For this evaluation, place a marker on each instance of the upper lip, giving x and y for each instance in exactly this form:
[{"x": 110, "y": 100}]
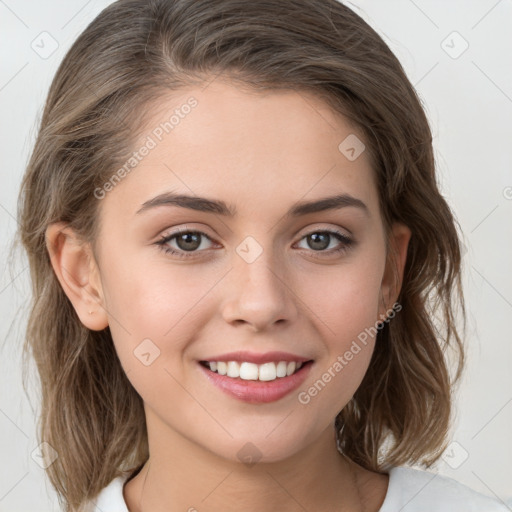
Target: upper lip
[{"x": 253, "y": 357}]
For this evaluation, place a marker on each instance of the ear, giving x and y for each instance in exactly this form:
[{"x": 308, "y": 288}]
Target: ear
[
  {"x": 395, "y": 263},
  {"x": 77, "y": 271}
]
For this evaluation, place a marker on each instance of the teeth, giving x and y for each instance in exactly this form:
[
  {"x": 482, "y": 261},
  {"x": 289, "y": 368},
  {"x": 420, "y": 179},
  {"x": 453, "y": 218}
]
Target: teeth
[
  {"x": 250, "y": 371},
  {"x": 233, "y": 369},
  {"x": 281, "y": 369},
  {"x": 268, "y": 371},
  {"x": 221, "y": 368}
]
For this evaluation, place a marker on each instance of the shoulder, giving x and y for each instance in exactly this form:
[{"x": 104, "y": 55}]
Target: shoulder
[
  {"x": 413, "y": 490},
  {"x": 111, "y": 498}
]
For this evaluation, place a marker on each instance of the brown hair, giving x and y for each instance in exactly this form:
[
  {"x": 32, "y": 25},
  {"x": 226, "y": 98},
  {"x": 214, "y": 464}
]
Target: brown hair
[{"x": 129, "y": 56}]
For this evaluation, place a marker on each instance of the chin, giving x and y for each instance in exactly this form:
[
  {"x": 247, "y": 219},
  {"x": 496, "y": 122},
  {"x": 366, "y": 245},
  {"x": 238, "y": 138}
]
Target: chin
[{"x": 258, "y": 448}]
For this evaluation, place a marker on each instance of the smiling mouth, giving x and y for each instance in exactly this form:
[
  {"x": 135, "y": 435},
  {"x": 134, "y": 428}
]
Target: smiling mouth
[{"x": 266, "y": 372}]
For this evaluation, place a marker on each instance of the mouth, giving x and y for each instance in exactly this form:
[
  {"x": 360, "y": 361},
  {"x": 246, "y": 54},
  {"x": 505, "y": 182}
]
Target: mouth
[
  {"x": 245, "y": 370},
  {"x": 261, "y": 379}
]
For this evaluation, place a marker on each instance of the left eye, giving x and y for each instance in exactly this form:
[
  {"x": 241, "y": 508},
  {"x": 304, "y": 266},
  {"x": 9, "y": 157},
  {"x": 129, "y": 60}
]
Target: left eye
[
  {"x": 190, "y": 242},
  {"x": 318, "y": 240}
]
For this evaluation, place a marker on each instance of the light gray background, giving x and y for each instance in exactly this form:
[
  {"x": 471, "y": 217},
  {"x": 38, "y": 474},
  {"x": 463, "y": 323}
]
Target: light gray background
[{"x": 468, "y": 98}]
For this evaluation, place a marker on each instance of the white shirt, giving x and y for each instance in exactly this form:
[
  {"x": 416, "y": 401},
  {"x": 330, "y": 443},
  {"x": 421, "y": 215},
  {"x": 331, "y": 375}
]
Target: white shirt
[{"x": 409, "y": 490}]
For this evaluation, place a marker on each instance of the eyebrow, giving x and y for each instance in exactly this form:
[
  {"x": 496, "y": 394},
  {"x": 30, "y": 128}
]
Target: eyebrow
[{"x": 203, "y": 204}]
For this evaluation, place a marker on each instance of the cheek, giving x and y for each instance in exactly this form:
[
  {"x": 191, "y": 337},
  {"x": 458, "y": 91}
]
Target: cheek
[
  {"x": 345, "y": 297},
  {"x": 348, "y": 328},
  {"x": 152, "y": 299},
  {"x": 345, "y": 302},
  {"x": 154, "y": 309}
]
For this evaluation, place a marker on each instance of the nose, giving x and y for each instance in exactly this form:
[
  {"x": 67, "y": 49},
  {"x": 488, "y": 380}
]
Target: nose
[{"x": 261, "y": 294}]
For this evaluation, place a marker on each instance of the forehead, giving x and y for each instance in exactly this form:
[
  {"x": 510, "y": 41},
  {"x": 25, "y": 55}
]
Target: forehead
[{"x": 247, "y": 148}]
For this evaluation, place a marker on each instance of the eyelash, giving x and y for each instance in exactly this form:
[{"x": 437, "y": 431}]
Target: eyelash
[{"x": 347, "y": 242}]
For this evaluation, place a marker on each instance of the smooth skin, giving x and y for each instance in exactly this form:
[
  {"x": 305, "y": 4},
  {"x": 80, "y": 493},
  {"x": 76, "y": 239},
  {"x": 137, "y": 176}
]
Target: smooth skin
[{"x": 261, "y": 154}]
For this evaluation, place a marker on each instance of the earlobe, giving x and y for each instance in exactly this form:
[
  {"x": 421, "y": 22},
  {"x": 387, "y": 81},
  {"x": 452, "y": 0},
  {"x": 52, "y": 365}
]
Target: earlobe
[
  {"x": 78, "y": 274},
  {"x": 393, "y": 275}
]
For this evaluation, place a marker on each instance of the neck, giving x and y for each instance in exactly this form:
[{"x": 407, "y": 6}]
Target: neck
[{"x": 182, "y": 476}]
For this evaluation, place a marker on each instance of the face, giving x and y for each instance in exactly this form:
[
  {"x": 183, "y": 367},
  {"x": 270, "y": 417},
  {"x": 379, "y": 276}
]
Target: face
[{"x": 267, "y": 286}]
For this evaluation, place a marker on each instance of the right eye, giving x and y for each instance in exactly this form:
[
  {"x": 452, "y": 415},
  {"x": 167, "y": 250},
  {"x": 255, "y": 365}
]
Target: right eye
[{"x": 187, "y": 241}]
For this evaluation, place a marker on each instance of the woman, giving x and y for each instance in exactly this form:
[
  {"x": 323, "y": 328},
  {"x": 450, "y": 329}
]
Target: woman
[{"x": 238, "y": 249}]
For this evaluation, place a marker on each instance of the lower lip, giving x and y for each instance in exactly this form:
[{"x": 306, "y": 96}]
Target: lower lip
[{"x": 255, "y": 391}]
